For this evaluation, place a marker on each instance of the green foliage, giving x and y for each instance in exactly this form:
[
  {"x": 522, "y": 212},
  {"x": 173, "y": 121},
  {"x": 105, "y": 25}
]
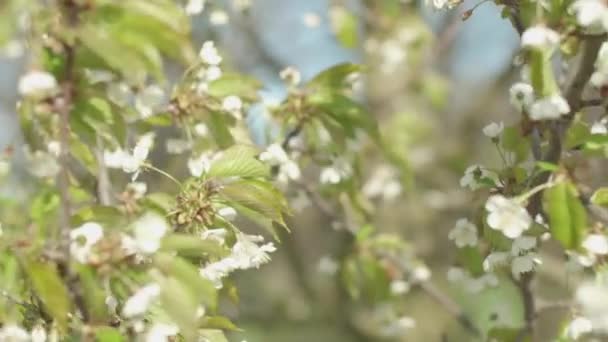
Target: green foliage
[{"x": 567, "y": 215}]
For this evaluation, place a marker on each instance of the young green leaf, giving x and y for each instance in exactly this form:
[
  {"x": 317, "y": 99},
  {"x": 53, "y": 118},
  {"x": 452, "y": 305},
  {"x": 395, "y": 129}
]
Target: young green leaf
[
  {"x": 50, "y": 288},
  {"x": 239, "y": 161},
  {"x": 567, "y": 215}
]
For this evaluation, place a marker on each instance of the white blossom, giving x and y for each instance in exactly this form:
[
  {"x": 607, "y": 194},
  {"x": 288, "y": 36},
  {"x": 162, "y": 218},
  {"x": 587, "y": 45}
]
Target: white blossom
[
  {"x": 148, "y": 231},
  {"x": 398, "y": 327},
  {"x": 38, "y": 334},
  {"x": 464, "y": 233},
  {"x": 114, "y": 159},
  {"x": 291, "y": 75},
  {"x": 421, "y": 273},
  {"x": 328, "y": 265},
  {"x": 507, "y": 216},
  {"x": 311, "y": 19},
  {"x": 140, "y": 301},
  {"x": 399, "y": 287},
  {"x": 456, "y": 274},
  {"x": 599, "y": 78},
  {"x": 494, "y": 260},
  {"x": 592, "y": 299},
  {"x": 131, "y": 163},
  {"x": 590, "y": 14},
  {"x": 232, "y": 104},
  {"x": 599, "y": 127},
  {"x": 37, "y": 84},
  {"x": 82, "y": 240},
  {"x": 539, "y": 37},
  {"x": 392, "y": 54},
  {"x": 200, "y": 165},
  {"x": 247, "y": 253},
  {"x": 523, "y": 244},
  {"x": 336, "y": 173},
  {"x": 476, "y": 285},
  {"x": 111, "y": 303},
  {"x": 596, "y": 244},
  {"x": 120, "y": 93},
  {"x": 493, "y": 130},
  {"x": 241, "y": 5},
  {"x": 473, "y": 175},
  {"x": 549, "y": 107},
  {"x": 161, "y": 332},
  {"x": 178, "y": 146},
  {"x": 578, "y": 327},
  {"x": 149, "y": 101},
  {"x": 442, "y": 4},
  {"x": 13, "y": 333},
  {"x": 218, "y": 17},
  {"x": 227, "y": 213},
  {"x": 217, "y": 234},
  {"x": 201, "y": 130},
  {"x": 194, "y": 7},
  {"x": 209, "y": 53},
  {"x": 54, "y": 148},
  {"x": 524, "y": 264},
  {"x": 41, "y": 164},
  {"x": 383, "y": 183},
  {"x": 13, "y": 49},
  {"x": 521, "y": 96},
  {"x": 275, "y": 155},
  {"x": 300, "y": 202}
]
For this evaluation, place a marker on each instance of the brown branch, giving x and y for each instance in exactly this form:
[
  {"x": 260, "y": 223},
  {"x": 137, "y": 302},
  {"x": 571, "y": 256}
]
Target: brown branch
[
  {"x": 557, "y": 130},
  {"x": 64, "y": 105}
]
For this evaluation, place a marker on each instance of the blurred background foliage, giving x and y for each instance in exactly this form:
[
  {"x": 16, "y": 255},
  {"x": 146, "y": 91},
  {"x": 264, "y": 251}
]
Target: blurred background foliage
[{"x": 432, "y": 81}]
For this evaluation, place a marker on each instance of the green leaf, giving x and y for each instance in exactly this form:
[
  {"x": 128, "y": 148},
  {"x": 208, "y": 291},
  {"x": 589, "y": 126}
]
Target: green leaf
[
  {"x": 256, "y": 217},
  {"x": 567, "y": 215},
  {"x": 106, "y": 215},
  {"x": 213, "y": 335},
  {"x": 188, "y": 245},
  {"x": 235, "y": 84},
  {"x": 239, "y": 161},
  {"x": 218, "y": 125},
  {"x": 108, "y": 334},
  {"x": 344, "y": 24},
  {"x": 578, "y": 133},
  {"x": 541, "y": 73},
  {"x": 346, "y": 112},
  {"x": 259, "y": 196},
  {"x": 112, "y": 53},
  {"x": 49, "y": 287},
  {"x": 202, "y": 289},
  {"x": 546, "y": 166},
  {"x": 94, "y": 295},
  {"x": 512, "y": 140},
  {"x": 218, "y": 322},
  {"x": 600, "y": 197},
  {"x": 180, "y": 304},
  {"x": 471, "y": 259},
  {"x": 335, "y": 76},
  {"x": 159, "y": 201}
]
